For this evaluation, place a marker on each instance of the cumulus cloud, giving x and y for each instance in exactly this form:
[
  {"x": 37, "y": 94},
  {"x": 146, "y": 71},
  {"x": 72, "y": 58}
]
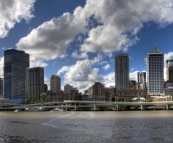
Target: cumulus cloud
[
  {"x": 106, "y": 67},
  {"x": 118, "y": 23},
  {"x": 122, "y": 17},
  {"x": 50, "y": 39},
  {"x": 109, "y": 79},
  {"x": 168, "y": 56},
  {"x": 76, "y": 55},
  {"x": 133, "y": 75},
  {"x": 82, "y": 74},
  {"x": 12, "y": 12},
  {"x": 46, "y": 80},
  {"x": 63, "y": 69},
  {"x": 2, "y": 65},
  {"x": 38, "y": 63}
]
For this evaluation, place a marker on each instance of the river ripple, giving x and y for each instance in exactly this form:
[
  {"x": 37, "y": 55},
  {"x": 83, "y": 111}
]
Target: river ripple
[{"x": 84, "y": 127}]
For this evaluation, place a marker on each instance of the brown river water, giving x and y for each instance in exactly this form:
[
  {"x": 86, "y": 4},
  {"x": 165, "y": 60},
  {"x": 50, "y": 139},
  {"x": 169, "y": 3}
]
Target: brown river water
[{"x": 87, "y": 127}]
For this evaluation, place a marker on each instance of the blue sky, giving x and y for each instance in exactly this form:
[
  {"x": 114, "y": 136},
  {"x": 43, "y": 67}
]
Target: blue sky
[{"x": 78, "y": 39}]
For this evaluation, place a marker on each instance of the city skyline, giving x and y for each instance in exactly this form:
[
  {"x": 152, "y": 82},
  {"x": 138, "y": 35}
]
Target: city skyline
[{"x": 58, "y": 37}]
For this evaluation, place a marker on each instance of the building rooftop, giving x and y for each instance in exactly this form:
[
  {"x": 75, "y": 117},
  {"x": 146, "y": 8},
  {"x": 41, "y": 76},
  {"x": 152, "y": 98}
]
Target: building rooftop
[
  {"x": 155, "y": 51},
  {"x": 122, "y": 54}
]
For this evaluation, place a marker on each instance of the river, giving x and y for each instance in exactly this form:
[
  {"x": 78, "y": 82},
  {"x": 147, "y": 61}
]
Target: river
[{"x": 87, "y": 127}]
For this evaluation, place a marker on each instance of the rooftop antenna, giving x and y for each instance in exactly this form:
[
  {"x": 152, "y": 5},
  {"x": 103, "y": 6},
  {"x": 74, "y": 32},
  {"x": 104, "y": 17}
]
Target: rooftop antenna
[{"x": 155, "y": 47}]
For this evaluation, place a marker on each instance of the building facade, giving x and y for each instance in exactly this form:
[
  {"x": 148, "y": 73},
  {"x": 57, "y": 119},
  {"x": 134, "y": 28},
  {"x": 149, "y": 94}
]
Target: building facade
[
  {"x": 73, "y": 91},
  {"x": 169, "y": 71},
  {"x": 45, "y": 88},
  {"x": 155, "y": 64},
  {"x": 121, "y": 72},
  {"x": 16, "y": 65},
  {"x": 141, "y": 77},
  {"x": 67, "y": 88},
  {"x": 1, "y": 86},
  {"x": 55, "y": 83},
  {"x": 35, "y": 82},
  {"x": 129, "y": 94},
  {"x": 132, "y": 84}
]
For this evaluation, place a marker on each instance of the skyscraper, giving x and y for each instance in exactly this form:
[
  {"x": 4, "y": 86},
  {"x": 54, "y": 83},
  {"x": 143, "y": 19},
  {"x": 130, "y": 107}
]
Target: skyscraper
[
  {"x": 1, "y": 86},
  {"x": 35, "y": 82},
  {"x": 16, "y": 65},
  {"x": 155, "y": 63},
  {"x": 55, "y": 83},
  {"x": 169, "y": 71},
  {"x": 141, "y": 77},
  {"x": 121, "y": 72}
]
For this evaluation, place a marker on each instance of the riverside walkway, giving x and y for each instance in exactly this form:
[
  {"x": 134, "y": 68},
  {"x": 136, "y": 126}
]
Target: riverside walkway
[{"x": 94, "y": 105}]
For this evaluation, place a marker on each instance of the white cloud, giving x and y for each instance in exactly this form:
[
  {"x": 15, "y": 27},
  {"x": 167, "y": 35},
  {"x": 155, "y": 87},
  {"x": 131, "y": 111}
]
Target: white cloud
[
  {"x": 133, "y": 75},
  {"x": 76, "y": 55},
  {"x": 122, "y": 17},
  {"x": 106, "y": 67},
  {"x": 2, "y": 67},
  {"x": 38, "y": 63},
  {"x": 168, "y": 56},
  {"x": 46, "y": 80},
  {"x": 63, "y": 69},
  {"x": 132, "y": 69},
  {"x": 52, "y": 37},
  {"x": 109, "y": 79},
  {"x": 12, "y": 12},
  {"x": 63, "y": 56},
  {"x": 120, "y": 21},
  {"x": 81, "y": 74}
]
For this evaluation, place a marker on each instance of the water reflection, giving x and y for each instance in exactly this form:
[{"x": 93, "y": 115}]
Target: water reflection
[{"x": 78, "y": 127}]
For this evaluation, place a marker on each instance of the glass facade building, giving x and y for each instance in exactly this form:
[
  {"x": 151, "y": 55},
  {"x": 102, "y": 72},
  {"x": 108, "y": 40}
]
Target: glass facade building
[
  {"x": 155, "y": 64},
  {"x": 1, "y": 86},
  {"x": 16, "y": 65},
  {"x": 121, "y": 72}
]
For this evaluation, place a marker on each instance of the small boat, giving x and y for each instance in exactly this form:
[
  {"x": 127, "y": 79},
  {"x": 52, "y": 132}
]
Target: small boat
[
  {"x": 17, "y": 110},
  {"x": 56, "y": 110}
]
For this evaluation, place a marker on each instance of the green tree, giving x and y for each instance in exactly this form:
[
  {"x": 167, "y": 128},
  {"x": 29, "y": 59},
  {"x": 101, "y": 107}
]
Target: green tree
[
  {"x": 107, "y": 95},
  {"x": 43, "y": 97}
]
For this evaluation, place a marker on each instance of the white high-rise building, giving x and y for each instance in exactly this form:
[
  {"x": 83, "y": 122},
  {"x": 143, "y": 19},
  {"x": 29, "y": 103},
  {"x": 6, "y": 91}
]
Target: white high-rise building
[
  {"x": 155, "y": 68},
  {"x": 121, "y": 72}
]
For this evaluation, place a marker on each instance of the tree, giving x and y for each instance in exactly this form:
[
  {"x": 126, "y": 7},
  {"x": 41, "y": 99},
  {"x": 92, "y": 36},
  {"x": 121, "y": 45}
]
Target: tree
[
  {"x": 43, "y": 97},
  {"x": 107, "y": 94}
]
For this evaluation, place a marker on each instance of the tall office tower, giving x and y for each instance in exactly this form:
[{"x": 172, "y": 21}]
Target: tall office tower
[
  {"x": 35, "y": 82},
  {"x": 55, "y": 83},
  {"x": 67, "y": 88},
  {"x": 155, "y": 72},
  {"x": 16, "y": 65},
  {"x": 141, "y": 77},
  {"x": 121, "y": 72},
  {"x": 1, "y": 86},
  {"x": 169, "y": 71}
]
